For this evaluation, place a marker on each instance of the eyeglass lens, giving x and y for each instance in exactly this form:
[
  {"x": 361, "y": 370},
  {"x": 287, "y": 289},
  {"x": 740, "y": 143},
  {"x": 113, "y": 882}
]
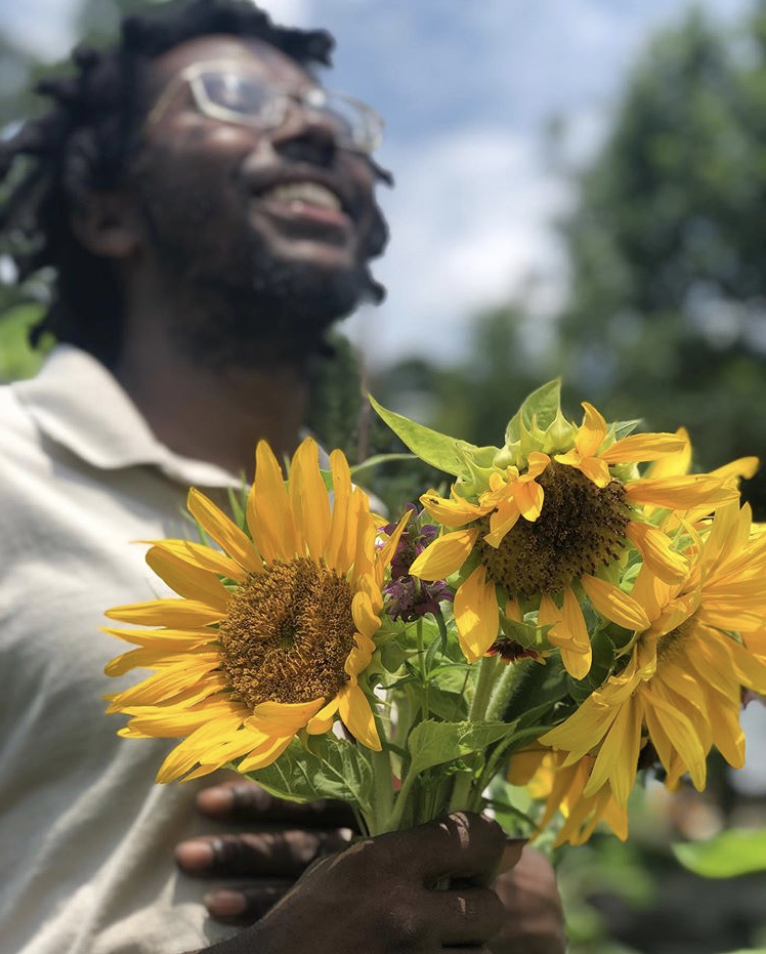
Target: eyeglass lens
[{"x": 249, "y": 97}]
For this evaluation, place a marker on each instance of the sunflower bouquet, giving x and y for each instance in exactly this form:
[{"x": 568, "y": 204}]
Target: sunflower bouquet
[{"x": 576, "y": 607}]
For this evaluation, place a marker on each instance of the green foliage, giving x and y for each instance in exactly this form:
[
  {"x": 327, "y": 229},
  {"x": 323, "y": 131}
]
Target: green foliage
[
  {"x": 434, "y": 743},
  {"x": 325, "y": 767},
  {"x": 666, "y": 316},
  {"x": 17, "y": 358},
  {"x": 434, "y": 448},
  {"x": 734, "y": 852}
]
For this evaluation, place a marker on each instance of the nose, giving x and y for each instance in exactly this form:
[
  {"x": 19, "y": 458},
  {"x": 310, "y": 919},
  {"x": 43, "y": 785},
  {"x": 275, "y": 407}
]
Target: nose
[{"x": 307, "y": 135}]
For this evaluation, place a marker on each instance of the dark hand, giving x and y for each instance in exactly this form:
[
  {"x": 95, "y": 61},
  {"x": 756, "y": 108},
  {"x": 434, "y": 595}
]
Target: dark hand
[
  {"x": 534, "y": 922},
  {"x": 265, "y": 862},
  {"x": 384, "y": 896}
]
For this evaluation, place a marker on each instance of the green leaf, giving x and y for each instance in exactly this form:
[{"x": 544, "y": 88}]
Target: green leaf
[
  {"x": 537, "y": 691},
  {"x": 326, "y": 767},
  {"x": 372, "y": 462},
  {"x": 445, "y": 704},
  {"x": 623, "y": 428},
  {"x": 434, "y": 448},
  {"x": 433, "y": 743},
  {"x": 540, "y": 408},
  {"x": 735, "y": 852}
]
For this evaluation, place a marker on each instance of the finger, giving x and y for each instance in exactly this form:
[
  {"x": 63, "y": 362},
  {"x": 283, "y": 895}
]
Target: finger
[
  {"x": 460, "y": 845},
  {"x": 512, "y": 853},
  {"x": 466, "y": 950},
  {"x": 256, "y": 855},
  {"x": 241, "y": 801},
  {"x": 243, "y": 906},
  {"x": 466, "y": 916}
]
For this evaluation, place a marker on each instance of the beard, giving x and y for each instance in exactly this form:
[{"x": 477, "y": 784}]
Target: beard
[{"x": 244, "y": 306}]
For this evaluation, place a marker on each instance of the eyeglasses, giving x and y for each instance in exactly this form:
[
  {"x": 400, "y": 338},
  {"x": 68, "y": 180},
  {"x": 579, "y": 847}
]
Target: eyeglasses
[{"x": 224, "y": 91}]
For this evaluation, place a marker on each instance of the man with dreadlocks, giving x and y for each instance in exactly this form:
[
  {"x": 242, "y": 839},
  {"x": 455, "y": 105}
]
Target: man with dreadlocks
[{"x": 207, "y": 210}]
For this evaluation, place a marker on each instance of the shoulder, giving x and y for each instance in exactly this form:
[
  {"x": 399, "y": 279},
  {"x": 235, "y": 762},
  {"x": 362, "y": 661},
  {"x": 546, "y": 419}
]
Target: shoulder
[{"x": 16, "y": 423}]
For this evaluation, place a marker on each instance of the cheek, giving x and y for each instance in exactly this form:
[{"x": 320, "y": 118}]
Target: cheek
[{"x": 203, "y": 159}]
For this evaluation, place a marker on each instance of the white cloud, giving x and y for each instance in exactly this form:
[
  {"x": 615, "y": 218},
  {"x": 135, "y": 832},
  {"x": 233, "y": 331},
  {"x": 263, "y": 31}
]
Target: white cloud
[
  {"x": 469, "y": 222},
  {"x": 43, "y": 27},
  {"x": 47, "y": 27}
]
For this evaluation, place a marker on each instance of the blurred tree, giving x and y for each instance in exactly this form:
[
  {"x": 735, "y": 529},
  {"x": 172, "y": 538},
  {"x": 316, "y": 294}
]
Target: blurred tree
[
  {"x": 20, "y": 69},
  {"x": 667, "y": 314},
  {"x": 472, "y": 400}
]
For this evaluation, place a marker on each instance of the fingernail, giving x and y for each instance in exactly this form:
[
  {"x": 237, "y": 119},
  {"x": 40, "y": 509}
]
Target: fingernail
[
  {"x": 225, "y": 904},
  {"x": 216, "y": 800},
  {"x": 512, "y": 852},
  {"x": 195, "y": 855}
]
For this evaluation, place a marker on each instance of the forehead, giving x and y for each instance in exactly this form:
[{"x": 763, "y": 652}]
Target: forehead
[{"x": 253, "y": 54}]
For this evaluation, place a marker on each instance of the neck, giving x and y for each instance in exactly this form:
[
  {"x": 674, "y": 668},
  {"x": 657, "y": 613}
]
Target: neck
[{"x": 212, "y": 414}]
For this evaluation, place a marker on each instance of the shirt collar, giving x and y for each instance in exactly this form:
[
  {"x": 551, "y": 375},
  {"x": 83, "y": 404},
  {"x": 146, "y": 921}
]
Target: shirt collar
[{"x": 76, "y": 402}]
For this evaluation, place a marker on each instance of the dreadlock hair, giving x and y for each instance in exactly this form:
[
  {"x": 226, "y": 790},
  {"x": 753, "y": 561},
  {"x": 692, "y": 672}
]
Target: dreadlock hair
[{"x": 86, "y": 142}]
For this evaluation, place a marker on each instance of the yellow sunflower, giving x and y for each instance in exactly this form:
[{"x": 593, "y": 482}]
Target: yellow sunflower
[
  {"x": 271, "y": 634},
  {"x": 543, "y": 773},
  {"x": 568, "y": 515},
  {"x": 681, "y": 689},
  {"x": 680, "y": 463}
]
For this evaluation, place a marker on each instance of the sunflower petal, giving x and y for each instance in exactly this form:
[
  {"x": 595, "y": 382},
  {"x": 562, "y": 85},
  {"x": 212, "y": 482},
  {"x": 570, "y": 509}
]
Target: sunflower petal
[
  {"x": 680, "y": 493},
  {"x": 477, "y": 614},
  {"x": 365, "y": 618},
  {"x": 445, "y": 555},
  {"x": 265, "y": 754},
  {"x": 355, "y": 711},
  {"x": 323, "y": 720},
  {"x": 269, "y": 517},
  {"x": 223, "y": 530},
  {"x": 592, "y": 432},
  {"x": 283, "y": 718},
  {"x": 615, "y": 605},
  {"x": 309, "y": 500},
  {"x": 656, "y": 548},
  {"x": 570, "y": 634},
  {"x": 341, "y": 484},
  {"x": 389, "y": 547},
  {"x": 453, "y": 512},
  {"x": 642, "y": 447},
  {"x": 186, "y": 579},
  {"x": 188, "y": 753},
  {"x": 617, "y": 760},
  {"x": 175, "y": 614},
  {"x": 504, "y": 518},
  {"x": 204, "y": 557},
  {"x": 529, "y": 497}
]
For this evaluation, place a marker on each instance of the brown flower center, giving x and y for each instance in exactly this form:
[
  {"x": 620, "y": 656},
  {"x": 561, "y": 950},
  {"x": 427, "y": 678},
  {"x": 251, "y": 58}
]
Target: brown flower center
[
  {"x": 581, "y": 528},
  {"x": 288, "y": 633}
]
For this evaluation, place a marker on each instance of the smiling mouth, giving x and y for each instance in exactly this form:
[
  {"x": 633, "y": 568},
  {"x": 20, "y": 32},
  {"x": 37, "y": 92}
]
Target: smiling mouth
[{"x": 298, "y": 195}]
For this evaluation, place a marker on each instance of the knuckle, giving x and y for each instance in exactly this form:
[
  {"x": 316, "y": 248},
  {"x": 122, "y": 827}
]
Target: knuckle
[
  {"x": 400, "y": 921},
  {"x": 249, "y": 799},
  {"x": 232, "y": 852}
]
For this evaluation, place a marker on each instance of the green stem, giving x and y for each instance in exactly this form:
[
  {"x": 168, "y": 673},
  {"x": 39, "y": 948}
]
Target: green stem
[
  {"x": 382, "y": 788},
  {"x": 423, "y": 674},
  {"x": 395, "y": 818},
  {"x": 484, "y": 683},
  {"x": 503, "y": 690},
  {"x": 439, "y": 617},
  {"x": 462, "y": 793}
]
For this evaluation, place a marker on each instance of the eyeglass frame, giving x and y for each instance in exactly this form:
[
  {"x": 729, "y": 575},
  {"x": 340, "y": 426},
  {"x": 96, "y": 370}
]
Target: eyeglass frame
[{"x": 191, "y": 74}]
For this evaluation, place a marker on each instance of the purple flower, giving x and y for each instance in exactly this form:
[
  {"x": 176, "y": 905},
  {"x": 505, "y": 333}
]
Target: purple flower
[{"x": 408, "y": 598}]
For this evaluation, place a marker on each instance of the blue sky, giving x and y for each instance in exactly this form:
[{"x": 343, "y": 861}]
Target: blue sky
[{"x": 466, "y": 89}]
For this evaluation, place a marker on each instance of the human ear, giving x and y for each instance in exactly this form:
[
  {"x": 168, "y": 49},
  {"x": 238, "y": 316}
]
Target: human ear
[{"x": 106, "y": 223}]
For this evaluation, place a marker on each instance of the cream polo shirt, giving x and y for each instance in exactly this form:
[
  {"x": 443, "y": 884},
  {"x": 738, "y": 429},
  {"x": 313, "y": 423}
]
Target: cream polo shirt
[{"x": 86, "y": 837}]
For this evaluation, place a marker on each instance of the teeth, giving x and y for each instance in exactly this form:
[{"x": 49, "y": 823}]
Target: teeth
[{"x": 308, "y": 193}]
